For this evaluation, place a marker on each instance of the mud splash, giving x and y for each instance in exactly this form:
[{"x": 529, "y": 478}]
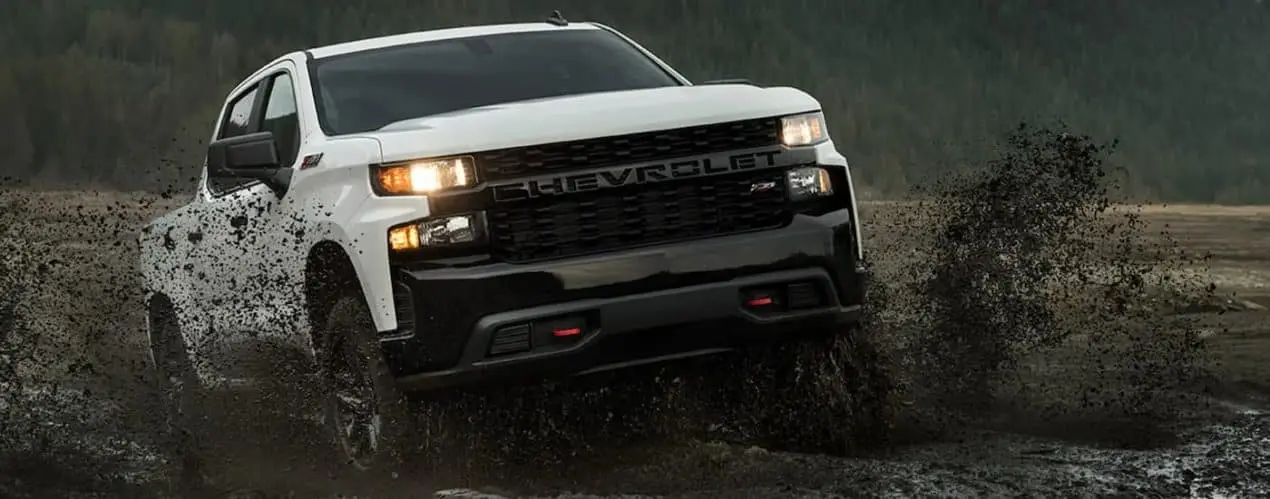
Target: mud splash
[
  {"x": 976, "y": 286},
  {"x": 57, "y": 438},
  {"x": 1029, "y": 256}
]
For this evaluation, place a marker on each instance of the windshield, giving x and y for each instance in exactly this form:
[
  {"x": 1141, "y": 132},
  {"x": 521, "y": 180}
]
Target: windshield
[{"x": 365, "y": 91}]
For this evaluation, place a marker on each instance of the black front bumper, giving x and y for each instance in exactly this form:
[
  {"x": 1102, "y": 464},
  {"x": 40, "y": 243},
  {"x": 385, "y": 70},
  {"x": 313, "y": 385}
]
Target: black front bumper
[{"x": 631, "y": 307}]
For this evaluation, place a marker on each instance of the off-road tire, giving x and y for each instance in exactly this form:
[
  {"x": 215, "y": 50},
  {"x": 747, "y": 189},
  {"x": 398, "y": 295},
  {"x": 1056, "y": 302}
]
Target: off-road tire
[
  {"x": 179, "y": 394},
  {"x": 351, "y": 365}
]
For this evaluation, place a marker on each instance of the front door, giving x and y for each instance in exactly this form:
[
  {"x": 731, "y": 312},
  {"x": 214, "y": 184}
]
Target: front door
[{"x": 247, "y": 298}]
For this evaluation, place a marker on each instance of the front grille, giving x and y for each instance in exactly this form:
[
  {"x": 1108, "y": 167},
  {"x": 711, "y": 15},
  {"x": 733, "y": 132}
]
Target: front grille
[
  {"x": 625, "y": 149},
  {"x": 636, "y": 215}
]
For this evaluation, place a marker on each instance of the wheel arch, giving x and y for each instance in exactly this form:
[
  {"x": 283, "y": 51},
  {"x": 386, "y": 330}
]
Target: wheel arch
[
  {"x": 345, "y": 229},
  {"x": 329, "y": 271}
]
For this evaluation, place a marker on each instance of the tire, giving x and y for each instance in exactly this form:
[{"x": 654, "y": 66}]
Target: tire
[
  {"x": 369, "y": 420},
  {"x": 179, "y": 392},
  {"x": 833, "y": 394}
]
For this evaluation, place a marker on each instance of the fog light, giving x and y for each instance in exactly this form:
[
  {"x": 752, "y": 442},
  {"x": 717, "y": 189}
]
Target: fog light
[
  {"x": 806, "y": 183},
  {"x": 437, "y": 232},
  {"x": 404, "y": 238},
  {"x": 449, "y": 230}
]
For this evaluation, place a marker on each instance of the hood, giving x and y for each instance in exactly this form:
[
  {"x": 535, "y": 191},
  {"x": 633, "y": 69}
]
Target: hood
[{"x": 577, "y": 117}]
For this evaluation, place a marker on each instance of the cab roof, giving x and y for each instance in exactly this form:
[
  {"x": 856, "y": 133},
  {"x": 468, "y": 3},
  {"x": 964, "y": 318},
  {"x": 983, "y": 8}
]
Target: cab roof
[{"x": 439, "y": 34}]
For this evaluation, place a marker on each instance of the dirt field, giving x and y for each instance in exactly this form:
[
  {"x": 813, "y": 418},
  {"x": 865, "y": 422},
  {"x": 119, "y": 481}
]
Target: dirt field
[{"x": 79, "y": 303}]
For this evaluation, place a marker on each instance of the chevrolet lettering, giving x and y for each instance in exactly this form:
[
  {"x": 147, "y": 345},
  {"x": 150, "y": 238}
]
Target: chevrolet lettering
[{"x": 682, "y": 168}]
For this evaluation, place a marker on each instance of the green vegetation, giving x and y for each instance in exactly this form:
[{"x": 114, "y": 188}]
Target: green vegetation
[{"x": 122, "y": 93}]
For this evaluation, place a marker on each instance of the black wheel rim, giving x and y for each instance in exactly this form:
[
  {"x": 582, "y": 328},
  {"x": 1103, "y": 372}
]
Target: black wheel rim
[{"x": 356, "y": 421}]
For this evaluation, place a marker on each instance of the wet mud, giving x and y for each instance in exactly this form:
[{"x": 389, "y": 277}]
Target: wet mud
[{"x": 1032, "y": 336}]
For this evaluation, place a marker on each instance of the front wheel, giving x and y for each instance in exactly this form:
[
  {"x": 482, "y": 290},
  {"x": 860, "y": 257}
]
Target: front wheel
[{"x": 367, "y": 417}]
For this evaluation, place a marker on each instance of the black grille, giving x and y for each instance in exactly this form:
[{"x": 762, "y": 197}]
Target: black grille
[
  {"x": 637, "y": 215},
  {"x": 511, "y": 339},
  {"x": 624, "y": 149}
]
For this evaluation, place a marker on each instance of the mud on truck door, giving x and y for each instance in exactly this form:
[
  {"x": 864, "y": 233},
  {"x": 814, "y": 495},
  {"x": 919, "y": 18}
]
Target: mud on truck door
[{"x": 245, "y": 287}]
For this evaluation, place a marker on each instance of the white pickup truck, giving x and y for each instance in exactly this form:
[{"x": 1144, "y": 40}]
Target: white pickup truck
[{"x": 496, "y": 204}]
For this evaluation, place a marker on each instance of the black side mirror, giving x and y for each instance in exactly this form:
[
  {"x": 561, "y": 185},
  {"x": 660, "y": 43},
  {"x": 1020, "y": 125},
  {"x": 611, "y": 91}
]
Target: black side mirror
[{"x": 253, "y": 156}]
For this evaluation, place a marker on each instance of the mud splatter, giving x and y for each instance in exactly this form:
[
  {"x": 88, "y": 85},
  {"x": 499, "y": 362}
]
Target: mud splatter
[
  {"x": 983, "y": 291},
  {"x": 58, "y": 437},
  {"x": 1033, "y": 255}
]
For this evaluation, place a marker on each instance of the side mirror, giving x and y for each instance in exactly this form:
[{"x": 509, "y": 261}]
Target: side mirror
[{"x": 253, "y": 156}]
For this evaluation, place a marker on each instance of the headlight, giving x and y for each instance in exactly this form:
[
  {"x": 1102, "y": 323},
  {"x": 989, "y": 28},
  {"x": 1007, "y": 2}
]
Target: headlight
[
  {"x": 803, "y": 129},
  {"x": 424, "y": 176},
  {"x": 440, "y": 232},
  {"x": 807, "y": 183}
]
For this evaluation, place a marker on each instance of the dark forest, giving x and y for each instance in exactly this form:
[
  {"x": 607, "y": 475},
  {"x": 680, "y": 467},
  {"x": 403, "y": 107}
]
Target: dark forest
[{"x": 120, "y": 94}]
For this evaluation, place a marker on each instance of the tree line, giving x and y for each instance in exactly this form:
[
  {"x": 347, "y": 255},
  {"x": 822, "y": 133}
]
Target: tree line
[{"x": 122, "y": 93}]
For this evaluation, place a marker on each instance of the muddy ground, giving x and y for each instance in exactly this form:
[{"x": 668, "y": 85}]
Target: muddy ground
[{"x": 1073, "y": 418}]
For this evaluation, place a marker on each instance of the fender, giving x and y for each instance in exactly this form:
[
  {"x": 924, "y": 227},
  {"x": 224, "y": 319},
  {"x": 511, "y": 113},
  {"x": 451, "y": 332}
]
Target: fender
[
  {"x": 829, "y": 155},
  {"x": 164, "y": 252}
]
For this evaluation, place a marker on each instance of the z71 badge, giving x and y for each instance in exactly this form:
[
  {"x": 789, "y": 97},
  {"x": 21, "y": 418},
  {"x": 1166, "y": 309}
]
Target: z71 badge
[{"x": 762, "y": 187}]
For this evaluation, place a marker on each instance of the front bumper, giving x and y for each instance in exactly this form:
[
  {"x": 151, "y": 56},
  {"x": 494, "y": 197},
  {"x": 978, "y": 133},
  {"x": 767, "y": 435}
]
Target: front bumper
[{"x": 631, "y": 307}]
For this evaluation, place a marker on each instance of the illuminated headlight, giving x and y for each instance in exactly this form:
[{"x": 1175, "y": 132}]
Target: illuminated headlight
[
  {"x": 424, "y": 176},
  {"x": 803, "y": 129},
  {"x": 808, "y": 183},
  {"x": 437, "y": 233}
]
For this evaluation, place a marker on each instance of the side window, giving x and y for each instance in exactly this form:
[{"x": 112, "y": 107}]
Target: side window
[
  {"x": 237, "y": 122},
  {"x": 282, "y": 119}
]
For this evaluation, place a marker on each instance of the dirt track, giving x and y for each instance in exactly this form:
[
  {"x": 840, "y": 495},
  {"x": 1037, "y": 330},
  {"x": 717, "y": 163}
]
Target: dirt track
[{"x": 1041, "y": 438}]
